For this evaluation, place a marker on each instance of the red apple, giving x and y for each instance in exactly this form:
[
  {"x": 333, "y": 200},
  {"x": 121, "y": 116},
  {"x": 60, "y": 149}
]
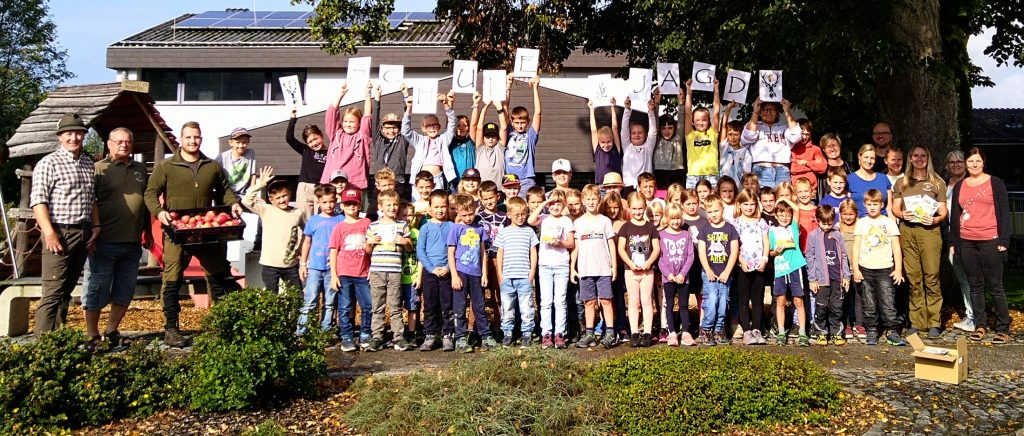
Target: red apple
[
  {"x": 174, "y": 215},
  {"x": 236, "y": 222},
  {"x": 222, "y": 218},
  {"x": 185, "y": 218},
  {"x": 211, "y": 214}
]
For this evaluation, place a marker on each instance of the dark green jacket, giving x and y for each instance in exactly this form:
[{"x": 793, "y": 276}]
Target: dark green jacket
[{"x": 186, "y": 189}]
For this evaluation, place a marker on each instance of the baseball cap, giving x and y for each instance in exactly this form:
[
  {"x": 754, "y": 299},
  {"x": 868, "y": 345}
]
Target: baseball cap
[
  {"x": 561, "y": 165},
  {"x": 70, "y": 123},
  {"x": 471, "y": 173},
  {"x": 391, "y": 117},
  {"x": 339, "y": 173},
  {"x": 351, "y": 195},
  {"x": 490, "y": 129},
  {"x": 612, "y": 179},
  {"x": 239, "y": 132},
  {"x": 510, "y": 180}
]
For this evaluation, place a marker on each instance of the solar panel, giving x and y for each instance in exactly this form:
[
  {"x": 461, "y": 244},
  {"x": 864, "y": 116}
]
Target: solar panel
[
  {"x": 259, "y": 14},
  {"x": 198, "y": 22},
  {"x": 297, "y": 24},
  {"x": 269, "y": 22},
  {"x": 421, "y": 16},
  {"x": 236, "y": 22},
  {"x": 289, "y": 15},
  {"x": 215, "y": 14}
]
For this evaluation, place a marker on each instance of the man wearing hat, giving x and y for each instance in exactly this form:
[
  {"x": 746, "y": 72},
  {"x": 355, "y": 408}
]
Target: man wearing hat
[
  {"x": 188, "y": 180},
  {"x": 389, "y": 149},
  {"x": 63, "y": 201},
  {"x": 238, "y": 161}
]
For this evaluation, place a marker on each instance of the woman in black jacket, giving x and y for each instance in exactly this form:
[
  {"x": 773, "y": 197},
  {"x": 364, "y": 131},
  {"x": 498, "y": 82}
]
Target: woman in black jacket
[
  {"x": 980, "y": 236},
  {"x": 314, "y": 155}
]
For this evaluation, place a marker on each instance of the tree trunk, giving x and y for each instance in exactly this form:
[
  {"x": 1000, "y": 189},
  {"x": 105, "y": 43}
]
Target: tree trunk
[{"x": 920, "y": 99}]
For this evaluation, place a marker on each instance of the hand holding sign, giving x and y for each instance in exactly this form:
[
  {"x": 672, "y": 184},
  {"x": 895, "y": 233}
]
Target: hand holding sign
[
  {"x": 639, "y": 84},
  {"x": 358, "y": 72},
  {"x": 668, "y": 77},
  {"x": 527, "y": 62},
  {"x": 292, "y": 90},
  {"x": 600, "y": 87},
  {"x": 703, "y": 77},
  {"x": 770, "y": 85}
]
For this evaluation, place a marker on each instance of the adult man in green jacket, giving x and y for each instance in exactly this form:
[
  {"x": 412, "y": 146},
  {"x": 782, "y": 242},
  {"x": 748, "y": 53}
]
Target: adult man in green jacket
[{"x": 189, "y": 180}]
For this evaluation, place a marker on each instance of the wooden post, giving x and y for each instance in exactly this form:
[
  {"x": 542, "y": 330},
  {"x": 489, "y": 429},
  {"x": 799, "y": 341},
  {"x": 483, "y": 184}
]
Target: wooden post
[
  {"x": 21, "y": 236},
  {"x": 156, "y": 127}
]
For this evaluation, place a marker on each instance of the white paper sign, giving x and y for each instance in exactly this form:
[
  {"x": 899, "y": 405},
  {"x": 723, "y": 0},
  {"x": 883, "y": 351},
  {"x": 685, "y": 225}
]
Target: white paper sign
[
  {"x": 527, "y": 60},
  {"x": 668, "y": 78},
  {"x": 357, "y": 74},
  {"x": 424, "y": 97},
  {"x": 292, "y": 90},
  {"x": 770, "y": 85},
  {"x": 639, "y": 85},
  {"x": 390, "y": 77},
  {"x": 494, "y": 85},
  {"x": 703, "y": 77},
  {"x": 464, "y": 77},
  {"x": 736, "y": 85},
  {"x": 600, "y": 89}
]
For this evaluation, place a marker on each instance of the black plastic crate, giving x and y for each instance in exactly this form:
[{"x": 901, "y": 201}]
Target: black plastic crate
[{"x": 207, "y": 235}]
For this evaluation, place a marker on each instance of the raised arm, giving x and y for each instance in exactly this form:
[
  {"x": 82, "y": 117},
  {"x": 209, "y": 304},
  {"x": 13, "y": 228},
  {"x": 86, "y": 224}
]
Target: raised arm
[
  {"x": 716, "y": 107},
  {"x": 688, "y": 108},
  {"x": 474, "y": 117},
  {"x": 476, "y": 129},
  {"x": 289, "y": 134},
  {"x": 376, "y": 111},
  {"x": 593, "y": 125},
  {"x": 754, "y": 116},
  {"x": 502, "y": 122},
  {"x": 368, "y": 101},
  {"x": 615, "y": 128},
  {"x": 724, "y": 119},
  {"x": 627, "y": 110},
  {"x": 535, "y": 86}
]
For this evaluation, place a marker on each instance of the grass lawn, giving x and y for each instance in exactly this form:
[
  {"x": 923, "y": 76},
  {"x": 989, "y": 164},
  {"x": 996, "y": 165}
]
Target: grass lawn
[{"x": 1014, "y": 286}]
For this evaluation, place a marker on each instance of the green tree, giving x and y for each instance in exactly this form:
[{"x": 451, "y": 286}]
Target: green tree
[{"x": 31, "y": 63}]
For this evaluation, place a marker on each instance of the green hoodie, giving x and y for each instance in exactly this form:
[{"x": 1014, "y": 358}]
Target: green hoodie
[{"x": 184, "y": 188}]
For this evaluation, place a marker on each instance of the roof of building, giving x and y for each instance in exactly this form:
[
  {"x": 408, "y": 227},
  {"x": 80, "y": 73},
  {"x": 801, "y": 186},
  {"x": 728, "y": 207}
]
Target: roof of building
[
  {"x": 999, "y": 126},
  {"x": 103, "y": 107},
  {"x": 413, "y": 29}
]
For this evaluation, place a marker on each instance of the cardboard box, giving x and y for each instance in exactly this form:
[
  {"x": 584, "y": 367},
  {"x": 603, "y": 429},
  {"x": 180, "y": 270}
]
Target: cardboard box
[{"x": 945, "y": 365}]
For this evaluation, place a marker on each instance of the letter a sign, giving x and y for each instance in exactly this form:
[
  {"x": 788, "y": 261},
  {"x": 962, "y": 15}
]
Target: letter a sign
[{"x": 668, "y": 78}]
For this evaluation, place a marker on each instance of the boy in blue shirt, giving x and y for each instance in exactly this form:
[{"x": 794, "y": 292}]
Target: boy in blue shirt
[
  {"x": 435, "y": 276},
  {"x": 522, "y": 139},
  {"x": 466, "y": 258},
  {"x": 313, "y": 266},
  {"x": 517, "y": 255}
]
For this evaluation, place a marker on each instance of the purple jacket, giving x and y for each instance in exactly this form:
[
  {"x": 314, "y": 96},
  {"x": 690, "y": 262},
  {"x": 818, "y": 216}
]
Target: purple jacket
[
  {"x": 676, "y": 254},
  {"x": 817, "y": 265}
]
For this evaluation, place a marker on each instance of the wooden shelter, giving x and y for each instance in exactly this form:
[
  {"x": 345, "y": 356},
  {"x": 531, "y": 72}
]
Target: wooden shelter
[{"x": 103, "y": 107}]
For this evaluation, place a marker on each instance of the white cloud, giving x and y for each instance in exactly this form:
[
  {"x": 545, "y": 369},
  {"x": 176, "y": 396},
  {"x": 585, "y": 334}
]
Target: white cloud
[{"x": 1009, "y": 80}]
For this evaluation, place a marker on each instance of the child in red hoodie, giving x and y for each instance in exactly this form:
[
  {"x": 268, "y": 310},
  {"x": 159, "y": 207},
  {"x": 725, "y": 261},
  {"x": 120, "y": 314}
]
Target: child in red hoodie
[{"x": 807, "y": 158}]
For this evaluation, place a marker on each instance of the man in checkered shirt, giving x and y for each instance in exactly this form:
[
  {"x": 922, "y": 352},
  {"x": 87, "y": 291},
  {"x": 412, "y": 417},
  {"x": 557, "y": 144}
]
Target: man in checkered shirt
[{"x": 63, "y": 201}]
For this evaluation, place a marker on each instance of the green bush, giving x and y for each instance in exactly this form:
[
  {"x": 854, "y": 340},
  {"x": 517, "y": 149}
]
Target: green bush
[
  {"x": 249, "y": 352},
  {"x": 505, "y": 392},
  {"x": 665, "y": 391},
  {"x": 55, "y": 384},
  {"x": 268, "y": 427}
]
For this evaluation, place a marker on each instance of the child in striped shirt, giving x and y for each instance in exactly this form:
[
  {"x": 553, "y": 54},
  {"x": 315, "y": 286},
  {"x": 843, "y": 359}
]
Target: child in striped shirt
[
  {"x": 517, "y": 255},
  {"x": 386, "y": 239}
]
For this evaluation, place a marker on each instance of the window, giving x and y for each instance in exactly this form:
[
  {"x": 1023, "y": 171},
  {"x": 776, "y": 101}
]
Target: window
[{"x": 240, "y": 86}]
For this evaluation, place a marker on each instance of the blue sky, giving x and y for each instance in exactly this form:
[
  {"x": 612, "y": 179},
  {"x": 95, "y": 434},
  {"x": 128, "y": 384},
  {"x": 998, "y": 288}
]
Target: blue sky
[{"x": 85, "y": 29}]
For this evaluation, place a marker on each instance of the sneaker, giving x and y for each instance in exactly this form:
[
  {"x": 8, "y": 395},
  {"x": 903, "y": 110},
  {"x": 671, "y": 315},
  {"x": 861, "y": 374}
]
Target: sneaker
[
  {"x": 760, "y": 338},
  {"x": 634, "y": 340},
  {"x": 401, "y": 344},
  {"x": 794, "y": 332},
  {"x": 838, "y": 341},
  {"x": 347, "y": 345},
  {"x": 848, "y": 332},
  {"x": 559, "y": 341},
  {"x": 545, "y": 342},
  {"x": 804, "y": 340},
  {"x": 462, "y": 344},
  {"x": 489, "y": 343},
  {"x": 526, "y": 341},
  {"x": 430, "y": 343},
  {"x": 895, "y": 340},
  {"x": 704, "y": 338},
  {"x": 672, "y": 340},
  {"x": 737, "y": 333},
  {"x": 173, "y": 338},
  {"x": 781, "y": 339},
  {"x": 861, "y": 332},
  {"x": 966, "y": 325},
  {"x": 749, "y": 339},
  {"x": 374, "y": 345},
  {"x": 911, "y": 331},
  {"x": 608, "y": 341},
  {"x": 934, "y": 333},
  {"x": 871, "y": 339},
  {"x": 588, "y": 340},
  {"x": 507, "y": 340},
  {"x": 646, "y": 340},
  {"x": 687, "y": 340},
  {"x": 663, "y": 336},
  {"x": 364, "y": 341},
  {"x": 720, "y": 338},
  {"x": 623, "y": 336},
  {"x": 448, "y": 343},
  {"x": 112, "y": 341},
  {"x": 822, "y": 339}
]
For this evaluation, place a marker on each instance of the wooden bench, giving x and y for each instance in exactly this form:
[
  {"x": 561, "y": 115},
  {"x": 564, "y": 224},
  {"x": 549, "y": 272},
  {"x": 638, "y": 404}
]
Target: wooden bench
[{"x": 16, "y": 294}]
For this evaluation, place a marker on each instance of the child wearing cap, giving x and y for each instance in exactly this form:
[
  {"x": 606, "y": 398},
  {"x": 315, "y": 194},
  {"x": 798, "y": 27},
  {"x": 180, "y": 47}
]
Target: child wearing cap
[
  {"x": 431, "y": 146},
  {"x": 510, "y": 186},
  {"x": 239, "y": 162},
  {"x": 490, "y": 139},
  {"x": 561, "y": 173},
  {"x": 469, "y": 184},
  {"x": 350, "y": 269},
  {"x": 389, "y": 149}
]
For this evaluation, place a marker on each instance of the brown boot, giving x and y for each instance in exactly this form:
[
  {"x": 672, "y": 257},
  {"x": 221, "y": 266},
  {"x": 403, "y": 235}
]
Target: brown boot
[{"x": 173, "y": 338}]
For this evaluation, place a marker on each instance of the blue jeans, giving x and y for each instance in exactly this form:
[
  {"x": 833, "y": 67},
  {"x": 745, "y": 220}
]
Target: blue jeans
[
  {"x": 691, "y": 181},
  {"x": 112, "y": 274},
  {"x": 771, "y": 176},
  {"x": 716, "y": 298},
  {"x": 515, "y": 291},
  {"x": 878, "y": 293},
  {"x": 359, "y": 288},
  {"x": 318, "y": 281},
  {"x": 554, "y": 281}
]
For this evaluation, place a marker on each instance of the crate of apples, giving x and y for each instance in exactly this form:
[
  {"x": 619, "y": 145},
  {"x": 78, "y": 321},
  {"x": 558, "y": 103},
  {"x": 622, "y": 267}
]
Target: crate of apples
[{"x": 204, "y": 226}]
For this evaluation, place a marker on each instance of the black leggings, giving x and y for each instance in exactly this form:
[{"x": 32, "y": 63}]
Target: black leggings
[
  {"x": 675, "y": 291},
  {"x": 750, "y": 288}
]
